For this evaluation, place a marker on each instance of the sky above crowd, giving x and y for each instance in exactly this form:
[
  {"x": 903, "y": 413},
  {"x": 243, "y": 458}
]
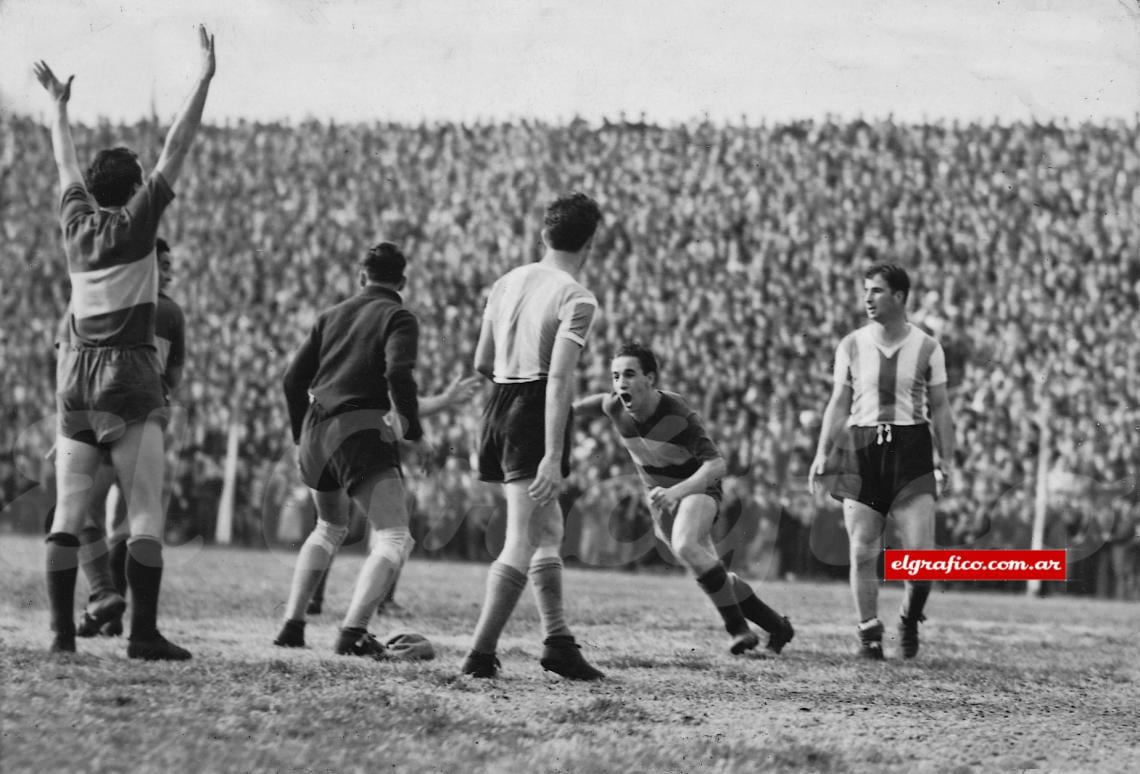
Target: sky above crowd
[{"x": 672, "y": 60}]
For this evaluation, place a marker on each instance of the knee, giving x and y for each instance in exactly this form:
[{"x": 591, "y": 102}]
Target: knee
[
  {"x": 394, "y": 545},
  {"x": 864, "y": 548},
  {"x": 328, "y": 536},
  {"x": 690, "y": 551}
]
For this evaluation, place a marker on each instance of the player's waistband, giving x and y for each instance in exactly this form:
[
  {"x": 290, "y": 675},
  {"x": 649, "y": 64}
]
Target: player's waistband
[
  {"x": 86, "y": 347},
  {"x": 885, "y": 432},
  {"x": 519, "y": 379}
]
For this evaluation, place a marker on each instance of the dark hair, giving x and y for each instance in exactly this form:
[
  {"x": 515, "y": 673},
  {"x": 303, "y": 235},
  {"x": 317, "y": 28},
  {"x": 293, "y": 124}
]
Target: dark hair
[
  {"x": 160, "y": 246},
  {"x": 384, "y": 263},
  {"x": 645, "y": 357},
  {"x": 113, "y": 176},
  {"x": 570, "y": 222},
  {"x": 896, "y": 277}
]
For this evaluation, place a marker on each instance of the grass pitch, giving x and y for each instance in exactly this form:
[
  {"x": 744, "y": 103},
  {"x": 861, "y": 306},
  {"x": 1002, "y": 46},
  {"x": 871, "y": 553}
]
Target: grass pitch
[{"x": 1002, "y": 683}]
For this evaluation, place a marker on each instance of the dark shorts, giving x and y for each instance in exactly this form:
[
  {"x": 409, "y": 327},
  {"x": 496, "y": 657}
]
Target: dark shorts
[
  {"x": 102, "y": 390},
  {"x": 341, "y": 451},
  {"x": 513, "y": 438},
  {"x": 879, "y": 471}
]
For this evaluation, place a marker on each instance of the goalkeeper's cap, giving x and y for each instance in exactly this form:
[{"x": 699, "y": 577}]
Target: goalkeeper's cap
[{"x": 409, "y": 646}]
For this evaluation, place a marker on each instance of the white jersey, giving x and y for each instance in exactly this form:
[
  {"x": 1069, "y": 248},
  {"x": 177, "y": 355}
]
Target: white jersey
[
  {"x": 528, "y": 308},
  {"x": 889, "y": 385}
]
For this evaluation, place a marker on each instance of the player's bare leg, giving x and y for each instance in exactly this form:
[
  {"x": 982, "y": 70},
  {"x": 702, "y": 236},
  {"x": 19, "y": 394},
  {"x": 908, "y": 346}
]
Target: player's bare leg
[
  {"x": 915, "y": 520},
  {"x": 75, "y": 464},
  {"x": 383, "y": 500},
  {"x": 690, "y": 540},
  {"x": 139, "y": 463},
  {"x": 864, "y": 531},
  {"x": 312, "y": 562}
]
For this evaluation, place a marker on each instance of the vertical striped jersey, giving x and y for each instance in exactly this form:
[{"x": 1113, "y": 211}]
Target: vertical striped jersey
[
  {"x": 528, "y": 308},
  {"x": 669, "y": 446},
  {"x": 889, "y": 385},
  {"x": 112, "y": 265}
]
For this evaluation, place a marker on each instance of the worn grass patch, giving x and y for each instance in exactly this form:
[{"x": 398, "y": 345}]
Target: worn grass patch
[{"x": 1002, "y": 683}]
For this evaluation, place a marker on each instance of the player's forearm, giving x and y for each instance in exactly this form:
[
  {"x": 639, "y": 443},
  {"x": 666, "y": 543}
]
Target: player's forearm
[
  {"x": 559, "y": 396},
  {"x": 182, "y": 132},
  {"x": 63, "y": 146},
  {"x": 832, "y": 421},
  {"x": 944, "y": 434}
]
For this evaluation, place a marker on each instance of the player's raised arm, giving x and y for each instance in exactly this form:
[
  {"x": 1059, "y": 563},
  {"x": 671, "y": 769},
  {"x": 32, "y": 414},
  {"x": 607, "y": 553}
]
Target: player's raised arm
[
  {"x": 62, "y": 145},
  {"x": 590, "y": 407},
  {"x": 181, "y": 134}
]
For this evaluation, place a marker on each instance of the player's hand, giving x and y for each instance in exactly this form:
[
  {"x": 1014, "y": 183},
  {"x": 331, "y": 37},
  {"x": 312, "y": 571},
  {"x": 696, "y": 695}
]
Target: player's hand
[
  {"x": 425, "y": 455},
  {"x": 943, "y": 483},
  {"x": 814, "y": 473},
  {"x": 60, "y": 92},
  {"x": 547, "y": 482},
  {"x": 206, "y": 45},
  {"x": 461, "y": 390},
  {"x": 665, "y": 499}
]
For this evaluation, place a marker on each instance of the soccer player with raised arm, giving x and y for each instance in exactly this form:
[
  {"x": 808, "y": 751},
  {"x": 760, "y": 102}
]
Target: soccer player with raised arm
[
  {"x": 103, "y": 556},
  {"x": 877, "y": 450},
  {"x": 109, "y": 391},
  {"x": 534, "y": 326},
  {"x": 681, "y": 468}
]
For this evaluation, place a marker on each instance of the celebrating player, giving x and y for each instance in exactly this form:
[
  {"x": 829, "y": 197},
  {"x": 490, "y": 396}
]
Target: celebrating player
[
  {"x": 104, "y": 559},
  {"x": 682, "y": 468},
  {"x": 337, "y": 389},
  {"x": 109, "y": 390},
  {"x": 534, "y": 327},
  {"x": 887, "y": 374}
]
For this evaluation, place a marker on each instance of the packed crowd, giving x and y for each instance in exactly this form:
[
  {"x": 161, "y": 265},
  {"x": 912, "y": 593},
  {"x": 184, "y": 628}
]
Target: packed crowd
[{"x": 735, "y": 251}]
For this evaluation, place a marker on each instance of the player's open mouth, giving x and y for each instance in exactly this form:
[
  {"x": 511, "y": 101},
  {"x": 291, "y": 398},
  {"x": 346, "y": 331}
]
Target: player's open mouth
[{"x": 626, "y": 398}]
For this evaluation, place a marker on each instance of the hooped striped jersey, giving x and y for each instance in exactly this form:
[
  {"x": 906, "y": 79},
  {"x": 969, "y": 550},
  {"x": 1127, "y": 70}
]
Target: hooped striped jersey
[
  {"x": 669, "y": 446},
  {"x": 112, "y": 265},
  {"x": 528, "y": 308},
  {"x": 889, "y": 384}
]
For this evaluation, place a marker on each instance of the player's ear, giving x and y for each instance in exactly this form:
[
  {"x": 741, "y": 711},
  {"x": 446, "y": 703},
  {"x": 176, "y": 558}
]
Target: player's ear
[
  {"x": 546, "y": 237},
  {"x": 362, "y": 277}
]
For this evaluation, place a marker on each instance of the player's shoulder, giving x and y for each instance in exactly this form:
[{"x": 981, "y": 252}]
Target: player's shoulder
[
  {"x": 675, "y": 404},
  {"x": 924, "y": 337}
]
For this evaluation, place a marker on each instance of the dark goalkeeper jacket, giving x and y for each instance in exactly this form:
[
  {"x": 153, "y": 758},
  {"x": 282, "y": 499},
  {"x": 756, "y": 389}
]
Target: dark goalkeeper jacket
[{"x": 357, "y": 352}]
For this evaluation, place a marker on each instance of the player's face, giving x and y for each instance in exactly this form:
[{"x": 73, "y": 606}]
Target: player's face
[
  {"x": 633, "y": 386},
  {"x": 881, "y": 304},
  {"x": 165, "y": 271}
]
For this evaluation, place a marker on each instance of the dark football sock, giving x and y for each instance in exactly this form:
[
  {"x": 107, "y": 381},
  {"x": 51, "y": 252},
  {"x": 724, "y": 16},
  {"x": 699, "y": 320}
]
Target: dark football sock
[
  {"x": 716, "y": 584},
  {"x": 95, "y": 563},
  {"x": 62, "y": 565},
  {"x": 754, "y": 608},
  {"x": 914, "y": 598},
  {"x": 144, "y": 576},
  {"x": 117, "y": 559}
]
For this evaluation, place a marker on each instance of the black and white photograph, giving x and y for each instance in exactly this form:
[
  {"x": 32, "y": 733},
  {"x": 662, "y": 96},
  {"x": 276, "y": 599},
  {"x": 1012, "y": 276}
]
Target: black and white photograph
[{"x": 544, "y": 386}]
